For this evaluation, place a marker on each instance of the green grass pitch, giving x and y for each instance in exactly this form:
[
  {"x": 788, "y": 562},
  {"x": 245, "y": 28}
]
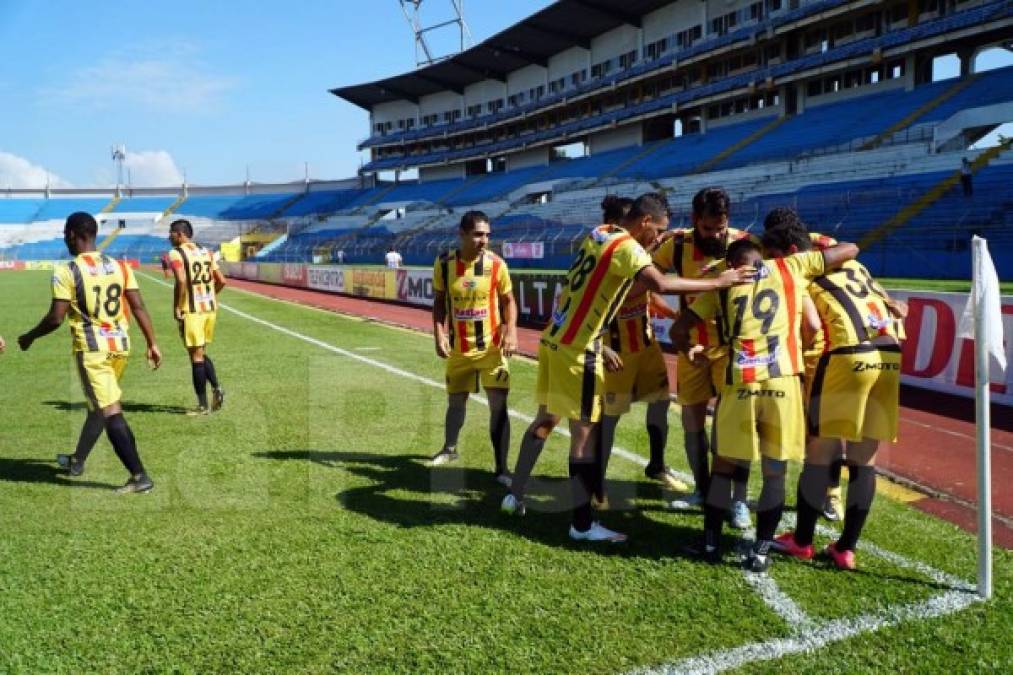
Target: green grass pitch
[{"x": 299, "y": 530}]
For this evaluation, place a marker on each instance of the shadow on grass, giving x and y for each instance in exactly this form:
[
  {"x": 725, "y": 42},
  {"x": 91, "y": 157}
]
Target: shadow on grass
[
  {"x": 41, "y": 471},
  {"x": 451, "y": 495},
  {"x": 127, "y": 407}
]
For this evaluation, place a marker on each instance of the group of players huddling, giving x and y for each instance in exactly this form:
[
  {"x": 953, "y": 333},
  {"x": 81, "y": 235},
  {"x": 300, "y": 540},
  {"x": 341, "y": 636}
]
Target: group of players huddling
[
  {"x": 792, "y": 336},
  {"x": 98, "y": 295}
]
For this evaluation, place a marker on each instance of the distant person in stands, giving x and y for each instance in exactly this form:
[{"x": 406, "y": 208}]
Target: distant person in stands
[
  {"x": 340, "y": 255},
  {"x": 966, "y": 177},
  {"x": 393, "y": 258},
  {"x": 475, "y": 328}
]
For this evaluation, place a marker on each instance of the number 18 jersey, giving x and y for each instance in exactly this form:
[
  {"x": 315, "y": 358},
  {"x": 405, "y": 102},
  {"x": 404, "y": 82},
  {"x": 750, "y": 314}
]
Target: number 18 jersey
[
  {"x": 198, "y": 265},
  {"x": 94, "y": 285}
]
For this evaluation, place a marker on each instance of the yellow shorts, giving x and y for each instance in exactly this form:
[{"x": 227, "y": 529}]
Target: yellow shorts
[
  {"x": 570, "y": 382},
  {"x": 644, "y": 377},
  {"x": 761, "y": 418},
  {"x": 489, "y": 368},
  {"x": 855, "y": 393},
  {"x": 696, "y": 384},
  {"x": 198, "y": 330},
  {"x": 100, "y": 374}
]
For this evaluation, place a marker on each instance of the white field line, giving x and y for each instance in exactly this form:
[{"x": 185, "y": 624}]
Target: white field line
[
  {"x": 810, "y": 636},
  {"x": 799, "y": 623}
]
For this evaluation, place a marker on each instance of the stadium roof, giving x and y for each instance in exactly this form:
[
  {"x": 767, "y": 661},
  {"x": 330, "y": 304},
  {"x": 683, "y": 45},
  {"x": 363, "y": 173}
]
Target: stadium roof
[{"x": 561, "y": 25}]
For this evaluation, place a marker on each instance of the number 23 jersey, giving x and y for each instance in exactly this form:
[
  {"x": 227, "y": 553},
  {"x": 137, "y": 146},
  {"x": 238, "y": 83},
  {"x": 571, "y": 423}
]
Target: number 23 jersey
[
  {"x": 95, "y": 286},
  {"x": 761, "y": 321},
  {"x": 596, "y": 285},
  {"x": 198, "y": 266}
]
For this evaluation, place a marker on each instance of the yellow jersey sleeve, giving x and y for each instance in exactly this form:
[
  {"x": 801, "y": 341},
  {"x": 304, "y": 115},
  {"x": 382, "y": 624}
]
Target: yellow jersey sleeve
[
  {"x": 808, "y": 264},
  {"x": 504, "y": 285},
  {"x": 629, "y": 258},
  {"x": 664, "y": 257},
  {"x": 63, "y": 284},
  {"x": 129, "y": 278},
  {"x": 438, "y": 286},
  {"x": 706, "y": 306}
]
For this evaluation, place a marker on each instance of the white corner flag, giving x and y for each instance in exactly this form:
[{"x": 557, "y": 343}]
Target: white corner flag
[{"x": 982, "y": 320}]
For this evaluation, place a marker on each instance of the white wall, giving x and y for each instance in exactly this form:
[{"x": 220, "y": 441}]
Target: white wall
[
  {"x": 615, "y": 42},
  {"x": 525, "y": 78},
  {"x": 480, "y": 92},
  {"x": 394, "y": 111},
  {"x": 616, "y": 138},
  {"x": 671, "y": 19},
  {"x": 855, "y": 92},
  {"x": 568, "y": 61},
  {"x": 428, "y": 173},
  {"x": 535, "y": 157},
  {"x": 439, "y": 103}
]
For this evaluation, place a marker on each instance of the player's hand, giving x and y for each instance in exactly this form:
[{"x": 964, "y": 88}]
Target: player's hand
[
  {"x": 613, "y": 362},
  {"x": 25, "y": 341},
  {"x": 696, "y": 356},
  {"x": 154, "y": 357},
  {"x": 741, "y": 275},
  {"x": 442, "y": 346},
  {"x": 661, "y": 239},
  {"x": 508, "y": 341},
  {"x": 178, "y": 314},
  {"x": 898, "y": 308}
]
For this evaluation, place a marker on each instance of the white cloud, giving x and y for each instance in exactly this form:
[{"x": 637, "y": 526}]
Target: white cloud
[
  {"x": 152, "y": 168},
  {"x": 18, "y": 172},
  {"x": 157, "y": 76}
]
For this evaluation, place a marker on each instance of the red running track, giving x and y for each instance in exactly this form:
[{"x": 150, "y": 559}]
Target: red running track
[{"x": 935, "y": 454}]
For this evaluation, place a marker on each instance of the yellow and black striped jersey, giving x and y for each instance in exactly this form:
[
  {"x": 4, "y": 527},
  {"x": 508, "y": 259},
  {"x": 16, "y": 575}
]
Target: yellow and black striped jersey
[
  {"x": 473, "y": 290},
  {"x": 94, "y": 284},
  {"x": 760, "y": 322},
  {"x": 198, "y": 265},
  {"x": 681, "y": 255},
  {"x": 852, "y": 307},
  {"x": 595, "y": 286},
  {"x": 630, "y": 330}
]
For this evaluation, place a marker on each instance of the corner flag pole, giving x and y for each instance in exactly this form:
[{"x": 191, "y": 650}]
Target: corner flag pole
[{"x": 979, "y": 256}]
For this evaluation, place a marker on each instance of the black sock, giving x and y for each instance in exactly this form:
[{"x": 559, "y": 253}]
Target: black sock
[
  {"x": 531, "y": 448},
  {"x": 740, "y": 482},
  {"x": 769, "y": 507},
  {"x": 697, "y": 451},
  {"x": 209, "y": 368},
  {"x": 499, "y": 433},
  {"x": 92, "y": 429},
  {"x": 715, "y": 510},
  {"x": 583, "y": 477},
  {"x": 603, "y": 452},
  {"x": 200, "y": 383},
  {"x": 812, "y": 490},
  {"x": 861, "y": 491},
  {"x": 122, "y": 438},
  {"x": 835, "y": 472}
]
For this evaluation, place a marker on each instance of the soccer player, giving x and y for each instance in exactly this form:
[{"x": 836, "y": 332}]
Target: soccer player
[
  {"x": 760, "y": 410},
  {"x": 692, "y": 254},
  {"x": 634, "y": 371},
  {"x": 853, "y": 395},
  {"x": 475, "y": 329},
  {"x": 95, "y": 291},
  {"x": 198, "y": 283},
  {"x": 570, "y": 370}
]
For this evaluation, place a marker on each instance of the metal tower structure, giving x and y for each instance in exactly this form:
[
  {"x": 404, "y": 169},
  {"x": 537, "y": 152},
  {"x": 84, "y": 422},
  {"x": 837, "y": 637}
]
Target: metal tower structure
[{"x": 424, "y": 54}]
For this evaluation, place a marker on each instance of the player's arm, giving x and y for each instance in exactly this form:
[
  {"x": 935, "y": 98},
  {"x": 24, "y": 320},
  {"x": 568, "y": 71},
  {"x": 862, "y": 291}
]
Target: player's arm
[
  {"x": 661, "y": 308},
  {"x": 50, "y": 322},
  {"x": 138, "y": 309},
  {"x": 655, "y": 281},
  {"x": 440, "y": 324},
  {"x": 835, "y": 256},
  {"x": 219, "y": 278},
  {"x": 811, "y": 323},
  {"x": 508, "y": 336},
  {"x": 679, "y": 333},
  {"x": 178, "y": 291}
]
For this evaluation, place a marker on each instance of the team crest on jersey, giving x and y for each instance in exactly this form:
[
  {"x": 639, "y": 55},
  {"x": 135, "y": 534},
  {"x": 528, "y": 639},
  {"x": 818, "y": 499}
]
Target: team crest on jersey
[
  {"x": 600, "y": 235},
  {"x": 108, "y": 267},
  {"x": 558, "y": 317},
  {"x": 469, "y": 284},
  {"x": 762, "y": 271},
  {"x": 747, "y": 361}
]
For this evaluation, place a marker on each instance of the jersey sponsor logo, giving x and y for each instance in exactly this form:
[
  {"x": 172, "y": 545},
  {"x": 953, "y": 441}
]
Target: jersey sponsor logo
[
  {"x": 203, "y": 296},
  {"x": 600, "y": 235},
  {"x": 745, "y": 394},
  {"x": 743, "y": 360},
  {"x": 863, "y": 366},
  {"x": 111, "y": 332},
  {"x": 476, "y": 314},
  {"x": 879, "y": 323},
  {"x": 469, "y": 284},
  {"x": 559, "y": 317}
]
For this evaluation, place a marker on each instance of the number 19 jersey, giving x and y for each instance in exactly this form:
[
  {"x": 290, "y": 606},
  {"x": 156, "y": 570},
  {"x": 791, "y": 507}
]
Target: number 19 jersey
[
  {"x": 198, "y": 265},
  {"x": 596, "y": 285},
  {"x": 94, "y": 285}
]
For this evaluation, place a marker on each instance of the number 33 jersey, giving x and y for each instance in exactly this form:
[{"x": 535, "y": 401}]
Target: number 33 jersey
[
  {"x": 95, "y": 285},
  {"x": 198, "y": 265},
  {"x": 761, "y": 321},
  {"x": 596, "y": 285}
]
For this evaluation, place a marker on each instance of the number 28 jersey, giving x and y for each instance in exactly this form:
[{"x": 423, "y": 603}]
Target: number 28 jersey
[
  {"x": 198, "y": 265},
  {"x": 761, "y": 321},
  {"x": 596, "y": 285},
  {"x": 95, "y": 285}
]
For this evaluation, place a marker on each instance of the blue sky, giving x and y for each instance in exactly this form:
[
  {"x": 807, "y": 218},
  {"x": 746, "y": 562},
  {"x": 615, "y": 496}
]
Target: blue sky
[
  {"x": 209, "y": 88},
  {"x": 205, "y": 87}
]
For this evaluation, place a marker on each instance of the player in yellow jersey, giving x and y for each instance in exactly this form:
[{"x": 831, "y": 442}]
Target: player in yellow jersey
[
  {"x": 195, "y": 309},
  {"x": 692, "y": 254},
  {"x": 475, "y": 329},
  {"x": 634, "y": 371},
  {"x": 99, "y": 295},
  {"x": 853, "y": 394},
  {"x": 760, "y": 408},
  {"x": 570, "y": 370}
]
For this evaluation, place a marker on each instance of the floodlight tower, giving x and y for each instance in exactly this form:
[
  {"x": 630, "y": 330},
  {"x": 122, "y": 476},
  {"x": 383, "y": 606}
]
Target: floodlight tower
[
  {"x": 424, "y": 56},
  {"x": 119, "y": 153}
]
